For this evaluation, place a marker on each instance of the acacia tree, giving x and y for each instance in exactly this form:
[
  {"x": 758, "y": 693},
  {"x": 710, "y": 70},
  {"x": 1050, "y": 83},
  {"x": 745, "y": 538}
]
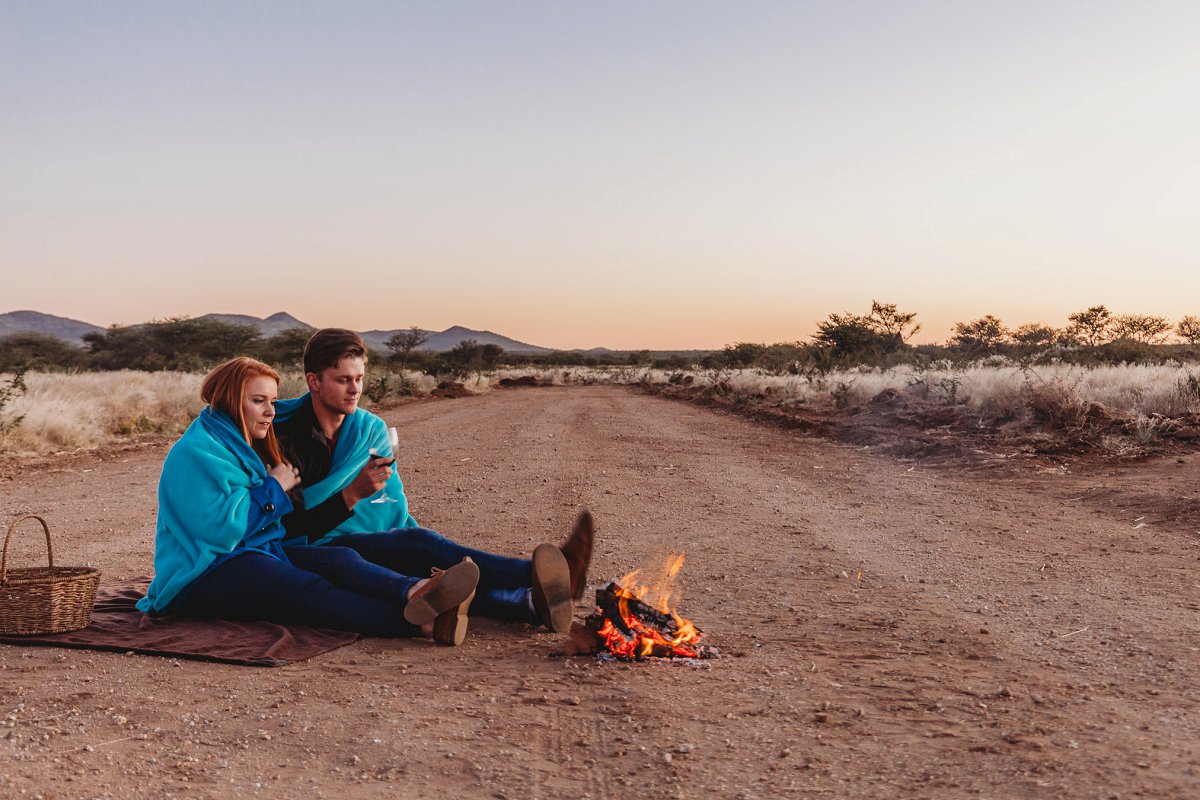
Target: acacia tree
[
  {"x": 846, "y": 337},
  {"x": 982, "y": 337},
  {"x": 470, "y": 356},
  {"x": 887, "y": 320},
  {"x": 1091, "y": 327},
  {"x": 403, "y": 343},
  {"x": 1144, "y": 328},
  {"x": 1188, "y": 329},
  {"x": 849, "y": 335},
  {"x": 1035, "y": 336}
]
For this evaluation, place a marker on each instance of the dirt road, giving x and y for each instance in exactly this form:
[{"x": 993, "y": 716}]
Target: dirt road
[{"x": 888, "y": 629}]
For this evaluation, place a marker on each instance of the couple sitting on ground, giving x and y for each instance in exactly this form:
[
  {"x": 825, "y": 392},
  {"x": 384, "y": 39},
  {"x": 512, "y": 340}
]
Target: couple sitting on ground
[{"x": 266, "y": 512}]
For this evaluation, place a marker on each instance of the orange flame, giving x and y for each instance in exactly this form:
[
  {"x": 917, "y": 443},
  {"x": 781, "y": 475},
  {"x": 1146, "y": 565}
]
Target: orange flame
[
  {"x": 644, "y": 640},
  {"x": 660, "y": 594}
]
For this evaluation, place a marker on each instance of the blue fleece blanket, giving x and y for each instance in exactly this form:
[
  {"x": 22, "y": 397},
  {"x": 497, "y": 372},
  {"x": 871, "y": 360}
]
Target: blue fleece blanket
[
  {"x": 204, "y": 506},
  {"x": 360, "y": 432}
]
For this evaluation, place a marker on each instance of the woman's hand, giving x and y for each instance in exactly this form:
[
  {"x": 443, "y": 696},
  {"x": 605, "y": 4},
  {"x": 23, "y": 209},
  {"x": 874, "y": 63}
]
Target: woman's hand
[
  {"x": 287, "y": 475},
  {"x": 369, "y": 480}
]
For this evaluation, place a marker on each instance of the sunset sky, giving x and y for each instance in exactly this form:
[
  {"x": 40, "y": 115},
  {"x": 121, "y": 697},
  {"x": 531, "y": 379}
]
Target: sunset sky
[{"x": 620, "y": 174}]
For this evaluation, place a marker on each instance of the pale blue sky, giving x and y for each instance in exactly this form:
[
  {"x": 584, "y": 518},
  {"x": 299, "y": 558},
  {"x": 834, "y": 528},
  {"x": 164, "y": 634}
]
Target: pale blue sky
[{"x": 681, "y": 174}]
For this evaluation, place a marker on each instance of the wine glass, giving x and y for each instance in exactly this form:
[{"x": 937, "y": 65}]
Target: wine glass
[{"x": 394, "y": 442}]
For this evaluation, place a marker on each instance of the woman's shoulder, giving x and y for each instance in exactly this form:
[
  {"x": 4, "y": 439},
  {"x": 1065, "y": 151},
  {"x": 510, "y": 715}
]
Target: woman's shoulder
[{"x": 197, "y": 447}]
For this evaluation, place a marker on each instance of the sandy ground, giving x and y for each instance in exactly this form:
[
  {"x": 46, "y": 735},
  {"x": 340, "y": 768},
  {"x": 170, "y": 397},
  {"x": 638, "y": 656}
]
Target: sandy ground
[{"x": 889, "y": 628}]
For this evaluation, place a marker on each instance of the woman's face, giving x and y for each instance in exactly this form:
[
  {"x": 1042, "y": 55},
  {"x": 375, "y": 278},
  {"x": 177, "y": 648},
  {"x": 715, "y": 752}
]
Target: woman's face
[{"x": 258, "y": 407}]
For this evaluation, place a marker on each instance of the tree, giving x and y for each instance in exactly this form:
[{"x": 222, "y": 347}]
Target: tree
[
  {"x": 471, "y": 356},
  {"x": 1035, "y": 336},
  {"x": 850, "y": 337},
  {"x": 784, "y": 358},
  {"x": 1090, "y": 327},
  {"x": 286, "y": 347},
  {"x": 1144, "y": 328},
  {"x": 176, "y": 343},
  {"x": 890, "y": 322},
  {"x": 639, "y": 358},
  {"x": 982, "y": 337},
  {"x": 743, "y": 354},
  {"x": 403, "y": 343},
  {"x": 38, "y": 351},
  {"x": 1188, "y": 329}
]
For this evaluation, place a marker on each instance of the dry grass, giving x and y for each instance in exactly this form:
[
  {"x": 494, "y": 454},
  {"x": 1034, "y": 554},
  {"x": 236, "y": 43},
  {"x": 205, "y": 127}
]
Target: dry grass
[
  {"x": 992, "y": 392},
  {"x": 68, "y": 411}
]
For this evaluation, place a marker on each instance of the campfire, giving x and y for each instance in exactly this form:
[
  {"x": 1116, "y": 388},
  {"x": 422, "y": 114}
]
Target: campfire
[{"x": 633, "y": 622}]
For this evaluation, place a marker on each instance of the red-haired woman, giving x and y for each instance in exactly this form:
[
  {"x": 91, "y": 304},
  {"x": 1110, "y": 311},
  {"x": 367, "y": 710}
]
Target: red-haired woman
[{"x": 217, "y": 552}]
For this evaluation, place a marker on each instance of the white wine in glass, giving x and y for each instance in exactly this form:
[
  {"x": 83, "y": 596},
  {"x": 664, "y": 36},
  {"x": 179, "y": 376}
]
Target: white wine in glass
[{"x": 394, "y": 442}]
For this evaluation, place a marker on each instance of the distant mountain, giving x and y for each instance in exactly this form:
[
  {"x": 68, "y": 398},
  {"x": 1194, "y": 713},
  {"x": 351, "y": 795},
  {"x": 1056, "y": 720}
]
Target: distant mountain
[
  {"x": 276, "y": 323},
  {"x": 451, "y": 338},
  {"x": 72, "y": 330}
]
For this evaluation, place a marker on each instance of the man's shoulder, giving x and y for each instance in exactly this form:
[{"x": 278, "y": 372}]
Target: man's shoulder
[
  {"x": 368, "y": 417},
  {"x": 362, "y": 419}
]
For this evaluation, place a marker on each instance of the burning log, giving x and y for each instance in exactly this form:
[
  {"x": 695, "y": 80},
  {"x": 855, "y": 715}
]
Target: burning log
[{"x": 630, "y": 629}]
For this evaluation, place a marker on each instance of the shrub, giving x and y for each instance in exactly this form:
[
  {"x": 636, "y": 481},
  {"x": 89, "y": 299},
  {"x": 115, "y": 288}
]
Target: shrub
[
  {"x": 11, "y": 388},
  {"x": 38, "y": 351},
  {"x": 468, "y": 357},
  {"x": 286, "y": 348},
  {"x": 173, "y": 344}
]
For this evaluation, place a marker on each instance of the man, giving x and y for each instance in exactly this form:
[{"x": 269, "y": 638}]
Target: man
[{"x": 331, "y": 441}]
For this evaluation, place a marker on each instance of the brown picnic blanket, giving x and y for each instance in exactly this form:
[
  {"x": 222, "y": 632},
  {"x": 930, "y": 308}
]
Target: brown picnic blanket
[{"x": 118, "y": 625}]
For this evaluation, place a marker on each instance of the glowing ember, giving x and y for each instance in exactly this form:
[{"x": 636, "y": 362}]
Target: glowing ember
[{"x": 633, "y": 621}]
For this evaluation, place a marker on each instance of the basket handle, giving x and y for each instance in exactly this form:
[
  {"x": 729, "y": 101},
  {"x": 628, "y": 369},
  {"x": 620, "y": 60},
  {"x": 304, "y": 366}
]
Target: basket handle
[{"x": 4, "y": 556}]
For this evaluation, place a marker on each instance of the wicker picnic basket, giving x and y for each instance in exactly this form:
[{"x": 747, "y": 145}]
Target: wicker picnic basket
[{"x": 45, "y": 599}]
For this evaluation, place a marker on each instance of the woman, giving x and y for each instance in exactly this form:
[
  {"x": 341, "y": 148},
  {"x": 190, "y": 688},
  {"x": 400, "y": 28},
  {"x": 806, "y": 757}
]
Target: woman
[{"x": 217, "y": 551}]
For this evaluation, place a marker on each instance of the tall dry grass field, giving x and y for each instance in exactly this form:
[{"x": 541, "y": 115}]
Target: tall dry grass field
[
  {"x": 995, "y": 391},
  {"x": 69, "y": 411}
]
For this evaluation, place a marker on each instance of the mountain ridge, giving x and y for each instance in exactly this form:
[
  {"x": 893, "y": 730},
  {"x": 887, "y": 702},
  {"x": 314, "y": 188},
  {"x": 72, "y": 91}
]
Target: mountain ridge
[
  {"x": 27, "y": 321},
  {"x": 72, "y": 330}
]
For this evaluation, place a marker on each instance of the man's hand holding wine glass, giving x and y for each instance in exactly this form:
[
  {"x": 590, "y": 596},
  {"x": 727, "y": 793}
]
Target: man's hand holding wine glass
[{"x": 374, "y": 475}]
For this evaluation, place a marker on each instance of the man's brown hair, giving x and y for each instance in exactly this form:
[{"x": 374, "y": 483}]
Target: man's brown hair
[{"x": 328, "y": 346}]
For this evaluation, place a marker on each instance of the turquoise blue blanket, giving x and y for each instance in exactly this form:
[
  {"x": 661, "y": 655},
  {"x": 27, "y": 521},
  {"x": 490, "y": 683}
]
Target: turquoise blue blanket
[
  {"x": 360, "y": 431},
  {"x": 204, "y": 506}
]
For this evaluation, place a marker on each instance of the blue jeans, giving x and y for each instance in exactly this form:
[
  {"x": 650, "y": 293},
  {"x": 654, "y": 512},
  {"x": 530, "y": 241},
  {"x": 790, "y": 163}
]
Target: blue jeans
[
  {"x": 504, "y": 582},
  {"x": 327, "y": 587}
]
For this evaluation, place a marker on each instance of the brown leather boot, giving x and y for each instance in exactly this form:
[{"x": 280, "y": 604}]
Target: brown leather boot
[
  {"x": 578, "y": 551},
  {"x": 446, "y": 590},
  {"x": 450, "y": 627},
  {"x": 552, "y": 588}
]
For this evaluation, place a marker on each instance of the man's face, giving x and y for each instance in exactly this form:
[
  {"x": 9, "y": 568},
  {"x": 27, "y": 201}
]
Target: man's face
[{"x": 338, "y": 388}]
